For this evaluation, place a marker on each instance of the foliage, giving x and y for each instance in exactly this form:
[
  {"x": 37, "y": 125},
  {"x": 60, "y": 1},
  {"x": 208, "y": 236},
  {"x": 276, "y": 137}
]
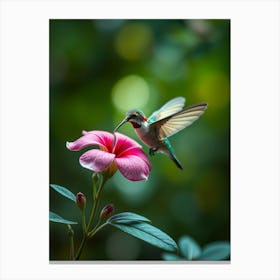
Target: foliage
[
  {"x": 131, "y": 223},
  {"x": 57, "y": 219},
  {"x": 191, "y": 251}
]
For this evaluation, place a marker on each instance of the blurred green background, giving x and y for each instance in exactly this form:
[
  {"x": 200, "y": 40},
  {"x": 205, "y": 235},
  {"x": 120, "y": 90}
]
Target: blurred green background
[{"x": 99, "y": 69}]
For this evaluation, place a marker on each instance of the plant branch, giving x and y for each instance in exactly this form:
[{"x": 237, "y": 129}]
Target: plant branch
[
  {"x": 71, "y": 237},
  {"x": 96, "y": 198}
]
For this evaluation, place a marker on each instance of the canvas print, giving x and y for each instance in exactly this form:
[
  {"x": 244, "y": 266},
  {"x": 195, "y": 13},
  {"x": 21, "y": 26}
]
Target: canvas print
[{"x": 139, "y": 140}]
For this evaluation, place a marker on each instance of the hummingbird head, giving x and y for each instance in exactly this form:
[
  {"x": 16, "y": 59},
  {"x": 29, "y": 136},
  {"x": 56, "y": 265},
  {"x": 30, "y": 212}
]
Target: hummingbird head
[{"x": 135, "y": 117}]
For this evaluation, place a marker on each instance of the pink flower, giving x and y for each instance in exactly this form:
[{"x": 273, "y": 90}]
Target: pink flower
[{"x": 126, "y": 154}]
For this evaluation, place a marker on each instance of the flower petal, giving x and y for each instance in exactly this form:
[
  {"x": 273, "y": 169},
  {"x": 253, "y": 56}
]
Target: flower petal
[
  {"x": 124, "y": 143},
  {"x": 139, "y": 153},
  {"x": 96, "y": 160},
  {"x": 133, "y": 167},
  {"x": 92, "y": 138}
]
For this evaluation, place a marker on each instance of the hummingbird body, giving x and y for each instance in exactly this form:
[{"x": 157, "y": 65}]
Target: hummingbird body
[
  {"x": 163, "y": 123},
  {"x": 150, "y": 138},
  {"x": 146, "y": 134}
]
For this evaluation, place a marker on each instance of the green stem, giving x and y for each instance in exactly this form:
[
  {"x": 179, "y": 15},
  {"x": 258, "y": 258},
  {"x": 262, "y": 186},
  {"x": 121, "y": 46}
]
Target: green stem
[
  {"x": 96, "y": 202},
  {"x": 96, "y": 229},
  {"x": 96, "y": 198},
  {"x": 84, "y": 221},
  {"x": 96, "y": 226},
  {"x": 85, "y": 238},
  {"x": 71, "y": 237}
]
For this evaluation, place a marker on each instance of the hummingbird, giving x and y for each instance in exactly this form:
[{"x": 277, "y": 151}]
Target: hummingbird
[{"x": 155, "y": 130}]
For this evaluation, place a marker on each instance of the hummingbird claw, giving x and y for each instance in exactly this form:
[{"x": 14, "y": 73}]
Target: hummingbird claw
[{"x": 152, "y": 151}]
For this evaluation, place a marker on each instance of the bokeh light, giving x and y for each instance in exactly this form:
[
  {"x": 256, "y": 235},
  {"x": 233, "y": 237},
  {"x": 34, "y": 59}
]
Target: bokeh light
[
  {"x": 130, "y": 92},
  {"x": 171, "y": 59},
  {"x": 135, "y": 195},
  {"x": 139, "y": 37},
  {"x": 214, "y": 87}
]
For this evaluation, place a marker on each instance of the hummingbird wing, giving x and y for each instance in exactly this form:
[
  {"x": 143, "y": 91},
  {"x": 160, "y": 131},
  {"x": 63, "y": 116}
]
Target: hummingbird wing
[
  {"x": 172, "y": 124},
  {"x": 171, "y": 107}
]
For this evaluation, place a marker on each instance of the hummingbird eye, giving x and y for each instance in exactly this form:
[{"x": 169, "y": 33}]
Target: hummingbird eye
[
  {"x": 132, "y": 116},
  {"x": 135, "y": 117}
]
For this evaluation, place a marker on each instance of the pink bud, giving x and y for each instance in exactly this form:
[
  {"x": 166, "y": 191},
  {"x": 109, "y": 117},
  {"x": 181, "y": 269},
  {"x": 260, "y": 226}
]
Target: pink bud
[
  {"x": 107, "y": 212},
  {"x": 81, "y": 200}
]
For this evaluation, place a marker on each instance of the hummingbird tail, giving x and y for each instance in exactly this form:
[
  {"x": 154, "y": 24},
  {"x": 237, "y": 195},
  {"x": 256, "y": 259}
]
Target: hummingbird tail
[
  {"x": 176, "y": 161},
  {"x": 170, "y": 152}
]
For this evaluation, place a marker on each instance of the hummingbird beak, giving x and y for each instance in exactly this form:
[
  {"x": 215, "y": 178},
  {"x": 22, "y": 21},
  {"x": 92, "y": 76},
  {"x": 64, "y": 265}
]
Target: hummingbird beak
[{"x": 122, "y": 123}]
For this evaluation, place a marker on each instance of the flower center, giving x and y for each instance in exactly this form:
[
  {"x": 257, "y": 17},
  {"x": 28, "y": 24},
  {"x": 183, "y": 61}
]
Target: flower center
[{"x": 111, "y": 170}]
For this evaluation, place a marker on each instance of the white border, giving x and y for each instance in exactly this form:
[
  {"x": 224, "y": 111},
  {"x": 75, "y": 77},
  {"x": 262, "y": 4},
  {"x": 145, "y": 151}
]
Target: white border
[{"x": 254, "y": 130}]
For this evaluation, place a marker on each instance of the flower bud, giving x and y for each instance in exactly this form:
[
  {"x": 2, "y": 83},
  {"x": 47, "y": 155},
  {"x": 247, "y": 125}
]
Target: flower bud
[
  {"x": 81, "y": 200},
  {"x": 107, "y": 212}
]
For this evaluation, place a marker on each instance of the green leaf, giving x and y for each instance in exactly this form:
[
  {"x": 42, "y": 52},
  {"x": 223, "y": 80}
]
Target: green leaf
[
  {"x": 189, "y": 248},
  {"x": 148, "y": 233},
  {"x": 127, "y": 217},
  {"x": 171, "y": 257},
  {"x": 55, "y": 218},
  {"x": 216, "y": 251},
  {"x": 63, "y": 191}
]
